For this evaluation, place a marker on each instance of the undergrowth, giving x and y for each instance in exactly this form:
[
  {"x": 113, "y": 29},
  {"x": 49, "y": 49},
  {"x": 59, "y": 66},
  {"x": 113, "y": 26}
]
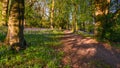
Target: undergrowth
[{"x": 41, "y": 51}]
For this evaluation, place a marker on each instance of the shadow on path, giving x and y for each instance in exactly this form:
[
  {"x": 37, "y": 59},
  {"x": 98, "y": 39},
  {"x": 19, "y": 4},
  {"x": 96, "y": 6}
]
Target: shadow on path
[{"x": 83, "y": 52}]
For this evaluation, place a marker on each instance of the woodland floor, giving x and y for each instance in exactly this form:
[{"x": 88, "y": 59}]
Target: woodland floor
[
  {"x": 77, "y": 51},
  {"x": 85, "y": 52}
]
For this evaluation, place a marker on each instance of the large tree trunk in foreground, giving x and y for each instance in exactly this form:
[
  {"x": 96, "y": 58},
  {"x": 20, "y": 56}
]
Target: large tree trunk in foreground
[
  {"x": 101, "y": 11},
  {"x": 16, "y": 25},
  {"x": 4, "y": 12}
]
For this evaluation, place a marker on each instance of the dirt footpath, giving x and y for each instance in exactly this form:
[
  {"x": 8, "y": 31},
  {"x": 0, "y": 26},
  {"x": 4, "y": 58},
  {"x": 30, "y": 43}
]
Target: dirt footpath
[{"x": 83, "y": 52}]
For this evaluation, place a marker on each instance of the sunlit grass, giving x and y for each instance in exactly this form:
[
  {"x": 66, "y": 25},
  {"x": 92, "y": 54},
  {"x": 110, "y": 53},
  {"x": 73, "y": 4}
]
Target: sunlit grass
[
  {"x": 41, "y": 53},
  {"x": 115, "y": 44},
  {"x": 85, "y": 34}
]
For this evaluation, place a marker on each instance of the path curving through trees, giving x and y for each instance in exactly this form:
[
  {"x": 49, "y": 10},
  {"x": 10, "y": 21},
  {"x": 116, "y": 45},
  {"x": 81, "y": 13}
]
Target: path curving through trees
[{"x": 85, "y": 52}]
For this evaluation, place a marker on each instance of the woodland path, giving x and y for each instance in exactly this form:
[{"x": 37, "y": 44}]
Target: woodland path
[{"x": 85, "y": 52}]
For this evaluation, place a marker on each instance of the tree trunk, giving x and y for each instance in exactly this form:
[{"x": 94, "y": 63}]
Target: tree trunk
[
  {"x": 4, "y": 12},
  {"x": 74, "y": 23},
  {"x": 101, "y": 10},
  {"x": 52, "y": 14},
  {"x": 16, "y": 25}
]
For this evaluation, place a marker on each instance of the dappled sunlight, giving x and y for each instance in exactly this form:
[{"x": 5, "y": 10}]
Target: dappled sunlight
[
  {"x": 88, "y": 40},
  {"x": 86, "y": 52},
  {"x": 59, "y": 33},
  {"x": 67, "y": 31}
]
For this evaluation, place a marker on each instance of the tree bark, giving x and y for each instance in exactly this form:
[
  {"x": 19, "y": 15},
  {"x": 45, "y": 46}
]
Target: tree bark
[
  {"x": 52, "y": 14},
  {"x": 101, "y": 10},
  {"x": 16, "y": 25},
  {"x": 4, "y": 12},
  {"x": 74, "y": 23}
]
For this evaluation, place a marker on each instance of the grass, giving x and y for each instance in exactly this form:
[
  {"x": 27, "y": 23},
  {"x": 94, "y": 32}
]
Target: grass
[
  {"x": 41, "y": 53},
  {"x": 115, "y": 44},
  {"x": 85, "y": 34}
]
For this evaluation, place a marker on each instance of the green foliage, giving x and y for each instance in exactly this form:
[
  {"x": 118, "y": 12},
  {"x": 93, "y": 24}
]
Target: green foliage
[
  {"x": 111, "y": 29},
  {"x": 62, "y": 14},
  {"x": 40, "y": 53},
  {"x": 3, "y": 31},
  {"x": 116, "y": 45},
  {"x": 31, "y": 18},
  {"x": 35, "y": 15},
  {"x": 115, "y": 33},
  {"x": 2, "y": 36}
]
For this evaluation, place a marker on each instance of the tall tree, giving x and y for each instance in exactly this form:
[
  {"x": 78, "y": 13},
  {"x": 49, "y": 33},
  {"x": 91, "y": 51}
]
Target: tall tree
[
  {"x": 16, "y": 25},
  {"x": 52, "y": 14},
  {"x": 101, "y": 11},
  {"x": 76, "y": 5},
  {"x": 74, "y": 17}
]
